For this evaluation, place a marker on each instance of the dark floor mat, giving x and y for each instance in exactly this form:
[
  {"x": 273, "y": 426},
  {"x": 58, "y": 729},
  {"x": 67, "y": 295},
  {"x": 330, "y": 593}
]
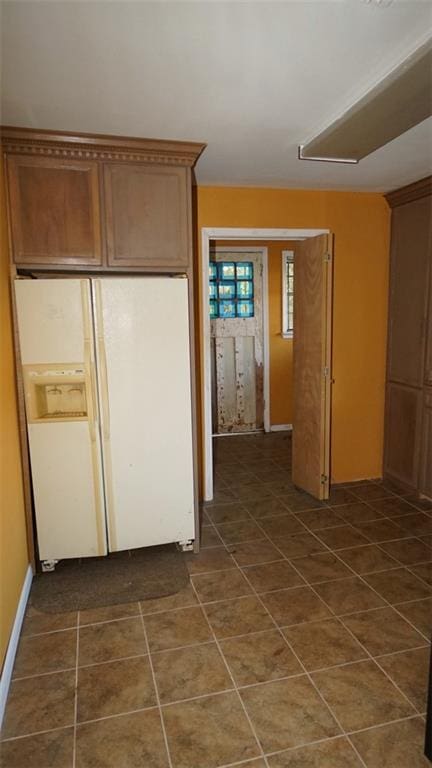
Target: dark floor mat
[{"x": 121, "y": 577}]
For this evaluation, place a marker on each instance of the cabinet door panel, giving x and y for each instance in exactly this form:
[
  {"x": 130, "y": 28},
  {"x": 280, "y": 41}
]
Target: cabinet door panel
[
  {"x": 410, "y": 257},
  {"x": 54, "y": 211},
  {"x": 426, "y": 449},
  {"x": 146, "y": 215},
  {"x": 403, "y": 414}
]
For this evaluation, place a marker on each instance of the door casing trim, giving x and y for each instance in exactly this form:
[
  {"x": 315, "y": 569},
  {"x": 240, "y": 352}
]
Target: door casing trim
[{"x": 233, "y": 233}]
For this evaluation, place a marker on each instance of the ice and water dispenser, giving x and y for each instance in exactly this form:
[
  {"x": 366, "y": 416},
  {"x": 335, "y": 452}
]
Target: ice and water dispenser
[{"x": 55, "y": 392}]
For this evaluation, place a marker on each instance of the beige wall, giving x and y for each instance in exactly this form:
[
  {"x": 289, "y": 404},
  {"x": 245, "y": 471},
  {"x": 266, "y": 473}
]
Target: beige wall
[{"x": 13, "y": 544}]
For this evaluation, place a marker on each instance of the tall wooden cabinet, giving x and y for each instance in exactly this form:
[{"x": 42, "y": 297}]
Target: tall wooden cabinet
[{"x": 408, "y": 426}]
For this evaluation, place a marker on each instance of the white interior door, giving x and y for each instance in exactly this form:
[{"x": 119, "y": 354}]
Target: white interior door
[
  {"x": 237, "y": 357},
  {"x": 142, "y": 331},
  {"x": 54, "y": 324}
]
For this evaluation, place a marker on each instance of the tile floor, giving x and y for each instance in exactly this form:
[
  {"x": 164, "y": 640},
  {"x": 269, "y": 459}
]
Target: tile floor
[{"x": 302, "y": 640}]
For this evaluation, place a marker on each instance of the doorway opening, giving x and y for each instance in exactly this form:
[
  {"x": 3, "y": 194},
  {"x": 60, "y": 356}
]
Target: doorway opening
[{"x": 232, "y": 234}]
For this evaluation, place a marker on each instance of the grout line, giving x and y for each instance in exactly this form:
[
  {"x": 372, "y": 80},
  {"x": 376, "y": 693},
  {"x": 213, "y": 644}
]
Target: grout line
[
  {"x": 76, "y": 695},
  {"x": 242, "y": 704},
  {"x": 165, "y": 737}
]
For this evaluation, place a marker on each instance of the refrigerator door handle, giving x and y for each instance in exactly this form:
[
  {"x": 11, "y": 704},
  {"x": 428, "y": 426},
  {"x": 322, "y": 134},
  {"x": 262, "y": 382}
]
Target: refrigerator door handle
[{"x": 104, "y": 388}]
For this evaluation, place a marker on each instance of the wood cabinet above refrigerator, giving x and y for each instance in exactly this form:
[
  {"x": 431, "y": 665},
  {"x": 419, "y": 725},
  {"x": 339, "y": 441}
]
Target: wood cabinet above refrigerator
[{"x": 99, "y": 202}]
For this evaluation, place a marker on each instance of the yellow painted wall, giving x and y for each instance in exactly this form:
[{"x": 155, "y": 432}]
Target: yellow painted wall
[
  {"x": 13, "y": 543},
  {"x": 360, "y": 223},
  {"x": 280, "y": 349}
]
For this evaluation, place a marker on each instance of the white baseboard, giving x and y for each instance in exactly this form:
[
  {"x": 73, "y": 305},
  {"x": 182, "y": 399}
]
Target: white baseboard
[
  {"x": 13, "y": 642},
  {"x": 281, "y": 428}
]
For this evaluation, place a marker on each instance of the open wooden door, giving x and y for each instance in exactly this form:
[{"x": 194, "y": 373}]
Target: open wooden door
[{"x": 312, "y": 364}]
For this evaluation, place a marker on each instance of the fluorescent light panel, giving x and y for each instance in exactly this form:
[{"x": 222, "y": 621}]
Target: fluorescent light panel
[{"x": 399, "y": 102}]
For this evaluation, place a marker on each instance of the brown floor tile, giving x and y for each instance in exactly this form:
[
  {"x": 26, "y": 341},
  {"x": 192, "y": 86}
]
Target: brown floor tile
[
  {"x": 348, "y": 595},
  {"x": 324, "y": 567},
  {"x": 189, "y": 672},
  {"x": 419, "y": 613},
  {"x": 383, "y": 631},
  {"x": 227, "y": 513},
  {"x": 269, "y": 576},
  {"x": 361, "y": 695},
  {"x": 36, "y": 622},
  {"x": 129, "y": 741},
  {"x": 209, "y": 732},
  {"x": 240, "y": 479},
  {"x": 288, "y": 713},
  {"x": 427, "y": 540},
  {"x": 113, "y": 640},
  {"x": 259, "y": 658},
  {"x": 367, "y": 559},
  {"x": 393, "y": 507},
  {"x": 210, "y": 537},
  {"x": 253, "y": 492},
  {"x": 109, "y": 613},
  {"x": 323, "y": 644},
  {"x": 223, "y": 496},
  {"x": 342, "y": 537},
  {"x": 398, "y": 745},
  {"x": 47, "y": 750},
  {"x": 418, "y": 524},
  {"x": 209, "y": 560},
  {"x": 182, "y": 599},
  {"x": 300, "y": 502},
  {"x": 381, "y": 530},
  {"x": 335, "y": 753},
  {"x": 270, "y": 507},
  {"x": 358, "y": 512},
  {"x": 398, "y": 586},
  {"x": 295, "y": 606},
  {"x": 173, "y": 629},
  {"x": 39, "y": 704},
  {"x": 46, "y": 653},
  {"x": 300, "y": 545},
  {"x": 221, "y": 586},
  {"x": 423, "y": 504},
  {"x": 244, "y": 530},
  {"x": 255, "y": 552},
  {"x": 370, "y": 492},
  {"x": 283, "y": 525},
  {"x": 281, "y": 488},
  {"x": 423, "y": 572},
  {"x": 238, "y": 617},
  {"x": 408, "y": 551},
  {"x": 317, "y": 519},
  {"x": 410, "y": 671},
  {"x": 273, "y": 476},
  {"x": 118, "y": 686},
  {"x": 340, "y": 496}
]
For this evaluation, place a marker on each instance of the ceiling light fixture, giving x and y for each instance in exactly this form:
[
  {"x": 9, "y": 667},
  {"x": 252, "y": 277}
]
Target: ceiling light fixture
[{"x": 399, "y": 102}]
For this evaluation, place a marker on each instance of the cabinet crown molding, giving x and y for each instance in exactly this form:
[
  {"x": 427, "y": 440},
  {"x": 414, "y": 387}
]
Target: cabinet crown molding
[
  {"x": 92, "y": 146},
  {"x": 409, "y": 193}
]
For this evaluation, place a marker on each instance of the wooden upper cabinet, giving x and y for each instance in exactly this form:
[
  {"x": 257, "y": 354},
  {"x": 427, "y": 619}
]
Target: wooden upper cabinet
[
  {"x": 147, "y": 215},
  {"x": 410, "y": 260},
  {"x": 54, "y": 211},
  {"x": 104, "y": 202}
]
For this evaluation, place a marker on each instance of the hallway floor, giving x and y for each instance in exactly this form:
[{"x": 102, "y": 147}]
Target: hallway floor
[{"x": 302, "y": 640}]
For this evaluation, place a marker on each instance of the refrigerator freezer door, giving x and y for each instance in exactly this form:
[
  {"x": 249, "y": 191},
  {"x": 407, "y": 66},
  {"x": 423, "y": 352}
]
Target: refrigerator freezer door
[
  {"x": 142, "y": 331},
  {"x": 55, "y": 333}
]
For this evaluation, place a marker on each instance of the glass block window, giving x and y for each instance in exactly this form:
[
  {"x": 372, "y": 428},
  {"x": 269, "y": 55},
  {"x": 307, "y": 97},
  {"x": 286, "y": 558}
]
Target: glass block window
[
  {"x": 287, "y": 294},
  {"x": 231, "y": 289}
]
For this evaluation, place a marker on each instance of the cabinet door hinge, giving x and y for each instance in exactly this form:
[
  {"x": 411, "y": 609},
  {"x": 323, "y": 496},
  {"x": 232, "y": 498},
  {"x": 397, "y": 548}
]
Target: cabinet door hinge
[
  {"x": 327, "y": 257},
  {"x": 324, "y": 479},
  {"x": 326, "y": 371}
]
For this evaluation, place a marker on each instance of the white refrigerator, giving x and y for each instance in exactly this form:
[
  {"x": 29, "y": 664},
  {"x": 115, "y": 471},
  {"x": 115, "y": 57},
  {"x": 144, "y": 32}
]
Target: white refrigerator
[{"x": 106, "y": 368}]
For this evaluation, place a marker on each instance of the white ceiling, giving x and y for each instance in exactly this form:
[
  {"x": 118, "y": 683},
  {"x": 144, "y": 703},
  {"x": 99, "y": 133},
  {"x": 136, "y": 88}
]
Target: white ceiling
[{"x": 252, "y": 79}]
